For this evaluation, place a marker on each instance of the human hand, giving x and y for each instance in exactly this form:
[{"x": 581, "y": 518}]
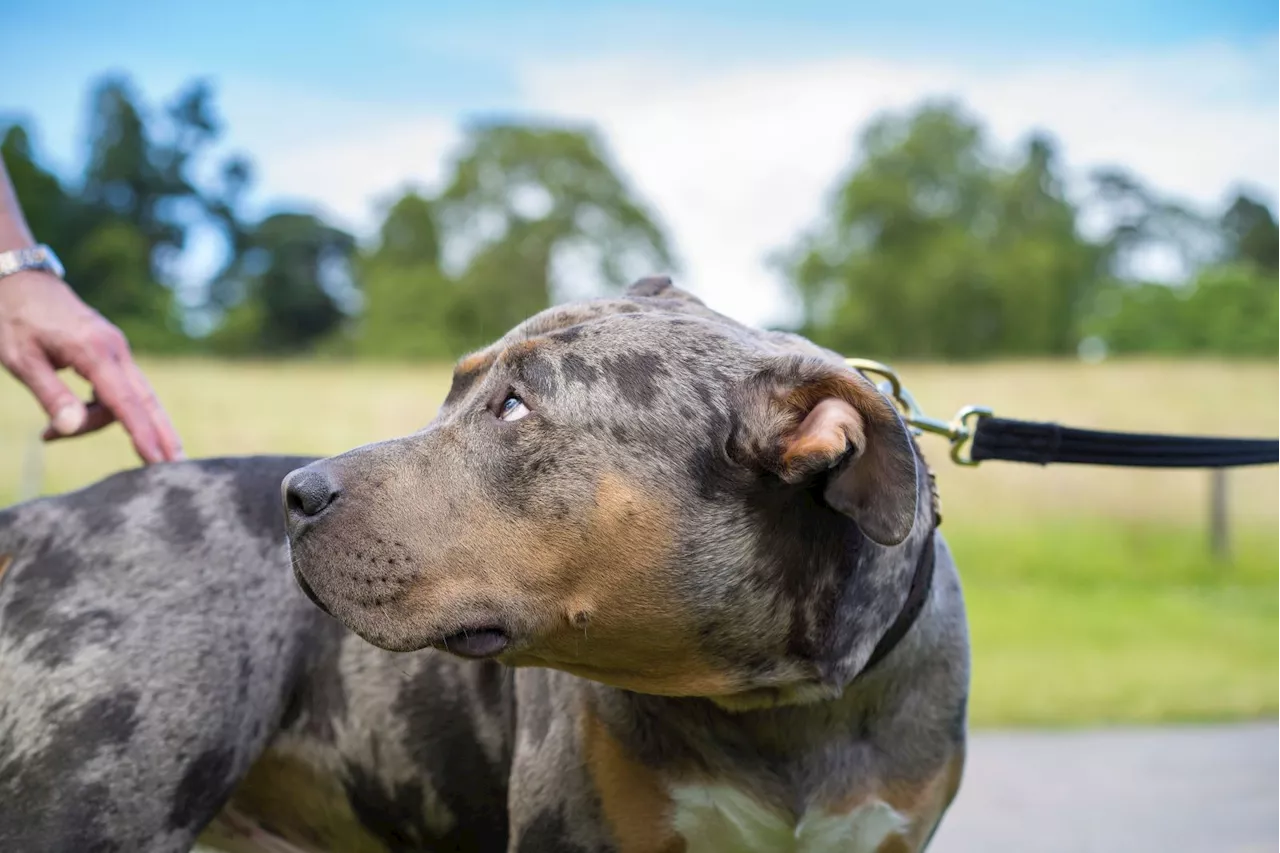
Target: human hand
[{"x": 44, "y": 327}]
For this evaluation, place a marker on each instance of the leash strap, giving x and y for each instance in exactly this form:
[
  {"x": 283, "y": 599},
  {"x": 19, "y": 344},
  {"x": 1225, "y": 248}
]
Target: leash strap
[
  {"x": 976, "y": 435},
  {"x": 1049, "y": 443}
]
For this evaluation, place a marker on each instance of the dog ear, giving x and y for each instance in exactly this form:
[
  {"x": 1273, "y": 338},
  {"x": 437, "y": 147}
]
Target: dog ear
[
  {"x": 803, "y": 419},
  {"x": 660, "y": 287}
]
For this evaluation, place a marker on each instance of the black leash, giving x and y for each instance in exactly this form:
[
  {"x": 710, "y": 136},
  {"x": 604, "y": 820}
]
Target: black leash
[
  {"x": 1045, "y": 444},
  {"x": 986, "y": 437},
  {"x": 976, "y": 435}
]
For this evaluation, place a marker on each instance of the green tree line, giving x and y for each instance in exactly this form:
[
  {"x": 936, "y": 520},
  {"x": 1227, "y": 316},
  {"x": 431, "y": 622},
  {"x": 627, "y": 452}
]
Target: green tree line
[{"x": 932, "y": 244}]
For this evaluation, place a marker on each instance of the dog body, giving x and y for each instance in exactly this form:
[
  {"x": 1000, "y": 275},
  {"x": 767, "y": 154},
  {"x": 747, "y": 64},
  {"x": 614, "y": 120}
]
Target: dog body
[{"x": 697, "y": 565}]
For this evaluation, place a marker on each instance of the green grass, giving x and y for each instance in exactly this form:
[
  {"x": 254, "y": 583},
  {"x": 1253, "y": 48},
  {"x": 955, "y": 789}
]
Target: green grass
[
  {"x": 1091, "y": 594},
  {"x": 1078, "y": 623}
]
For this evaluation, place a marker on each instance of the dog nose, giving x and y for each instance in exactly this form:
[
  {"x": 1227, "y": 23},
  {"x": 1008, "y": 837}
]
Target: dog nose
[{"x": 307, "y": 492}]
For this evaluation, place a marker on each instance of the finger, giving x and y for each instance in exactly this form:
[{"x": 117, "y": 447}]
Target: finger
[
  {"x": 101, "y": 364},
  {"x": 166, "y": 436},
  {"x": 96, "y": 417},
  {"x": 65, "y": 410}
]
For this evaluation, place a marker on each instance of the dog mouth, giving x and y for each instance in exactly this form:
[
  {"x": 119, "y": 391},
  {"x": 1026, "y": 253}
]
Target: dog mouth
[
  {"x": 474, "y": 643},
  {"x": 309, "y": 592}
]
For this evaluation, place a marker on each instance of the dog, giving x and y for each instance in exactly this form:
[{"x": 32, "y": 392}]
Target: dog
[{"x": 651, "y": 581}]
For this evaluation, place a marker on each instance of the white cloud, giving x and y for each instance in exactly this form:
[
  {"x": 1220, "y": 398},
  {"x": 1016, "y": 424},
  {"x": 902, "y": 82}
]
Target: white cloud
[
  {"x": 738, "y": 160},
  {"x": 341, "y": 156},
  {"x": 351, "y": 172}
]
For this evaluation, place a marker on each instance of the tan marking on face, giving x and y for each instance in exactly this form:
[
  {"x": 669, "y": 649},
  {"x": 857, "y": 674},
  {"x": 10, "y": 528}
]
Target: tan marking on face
[
  {"x": 486, "y": 358},
  {"x": 922, "y": 801},
  {"x": 618, "y": 620},
  {"x": 471, "y": 367},
  {"x": 524, "y": 347},
  {"x": 474, "y": 363},
  {"x": 6, "y": 560},
  {"x": 468, "y": 371},
  {"x": 596, "y": 592},
  {"x": 635, "y": 803}
]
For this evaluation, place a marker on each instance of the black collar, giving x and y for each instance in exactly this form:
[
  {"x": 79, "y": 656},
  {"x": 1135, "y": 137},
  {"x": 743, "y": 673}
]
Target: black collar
[{"x": 921, "y": 582}]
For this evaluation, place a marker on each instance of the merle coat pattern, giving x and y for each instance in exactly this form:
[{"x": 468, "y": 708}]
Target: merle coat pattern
[{"x": 675, "y": 566}]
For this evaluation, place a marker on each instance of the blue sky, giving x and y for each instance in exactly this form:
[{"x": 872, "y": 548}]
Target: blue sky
[
  {"x": 340, "y": 104},
  {"x": 461, "y": 56}
]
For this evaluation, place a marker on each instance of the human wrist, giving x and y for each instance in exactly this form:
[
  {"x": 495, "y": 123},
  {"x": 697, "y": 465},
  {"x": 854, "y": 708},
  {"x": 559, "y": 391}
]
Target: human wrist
[
  {"x": 38, "y": 258},
  {"x": 33, "y": 278}
]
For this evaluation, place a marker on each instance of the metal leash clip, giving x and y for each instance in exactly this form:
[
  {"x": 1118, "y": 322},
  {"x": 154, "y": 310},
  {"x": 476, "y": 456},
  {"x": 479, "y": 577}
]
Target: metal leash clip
[{"x": 959, "y": 431}]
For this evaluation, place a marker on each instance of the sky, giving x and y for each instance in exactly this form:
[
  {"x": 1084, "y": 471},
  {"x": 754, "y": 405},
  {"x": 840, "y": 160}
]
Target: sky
[{"x": 732, "y": 119}]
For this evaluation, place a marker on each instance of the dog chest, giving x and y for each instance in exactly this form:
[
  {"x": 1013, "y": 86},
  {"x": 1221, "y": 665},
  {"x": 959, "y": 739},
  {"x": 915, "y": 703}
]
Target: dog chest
[{"x": 724, "y": 819}]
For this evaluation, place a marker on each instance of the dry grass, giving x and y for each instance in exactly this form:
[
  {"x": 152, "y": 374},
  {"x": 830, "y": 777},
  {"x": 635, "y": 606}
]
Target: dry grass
[
  {"x": 1090, "y": 591},
  {"x": 327, "y": 408},
  {"x": 1176, "y": 397},
  {"x": 232, "y": 409}
]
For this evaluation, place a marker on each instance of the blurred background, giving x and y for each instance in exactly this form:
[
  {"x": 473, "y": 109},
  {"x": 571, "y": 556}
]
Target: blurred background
[{"x": 301, "y": 213}]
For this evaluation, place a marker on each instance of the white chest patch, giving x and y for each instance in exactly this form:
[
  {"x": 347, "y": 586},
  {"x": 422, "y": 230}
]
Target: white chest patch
[{"x": 723, "y": 819}]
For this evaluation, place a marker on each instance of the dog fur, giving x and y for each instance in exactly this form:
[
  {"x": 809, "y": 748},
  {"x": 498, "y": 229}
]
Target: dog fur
[{"x": 676, "y": 566}]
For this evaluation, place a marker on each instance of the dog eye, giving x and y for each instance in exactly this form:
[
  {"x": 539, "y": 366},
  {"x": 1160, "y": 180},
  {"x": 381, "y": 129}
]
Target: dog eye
[{"x": 512, "y": 408}]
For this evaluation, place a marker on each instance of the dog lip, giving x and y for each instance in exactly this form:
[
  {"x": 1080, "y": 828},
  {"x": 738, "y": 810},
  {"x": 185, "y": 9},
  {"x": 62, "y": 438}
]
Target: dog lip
[
  {"x": 309, "y": 592},
  {"x": 474, "y": 643}
]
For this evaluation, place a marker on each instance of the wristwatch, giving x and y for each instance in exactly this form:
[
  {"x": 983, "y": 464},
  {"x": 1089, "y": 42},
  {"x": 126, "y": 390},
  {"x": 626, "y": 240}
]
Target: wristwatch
[{"x": 33, "y": 258}]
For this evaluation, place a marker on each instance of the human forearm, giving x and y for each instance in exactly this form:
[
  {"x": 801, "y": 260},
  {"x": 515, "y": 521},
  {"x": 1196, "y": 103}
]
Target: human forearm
[{"x": 45, "y": 327}]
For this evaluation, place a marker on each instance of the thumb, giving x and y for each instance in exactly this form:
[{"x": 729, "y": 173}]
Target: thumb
[{"x": 65, "y": 410}]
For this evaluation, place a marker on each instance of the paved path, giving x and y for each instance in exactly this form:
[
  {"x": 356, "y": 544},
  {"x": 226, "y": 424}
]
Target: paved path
[
  {"x": 1197, "y": 789},
  {"x": 1202, "y": 789}
]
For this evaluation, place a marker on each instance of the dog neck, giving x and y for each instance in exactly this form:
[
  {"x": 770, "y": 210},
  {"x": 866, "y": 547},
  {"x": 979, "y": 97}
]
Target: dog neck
[
  {"x": 788, "y": 720},
  {"x": 780, "y": 753},
  {"x": 818, "y": 689}
]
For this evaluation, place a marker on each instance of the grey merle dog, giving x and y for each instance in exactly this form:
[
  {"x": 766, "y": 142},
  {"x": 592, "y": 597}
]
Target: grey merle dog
[{"x": 650, "y": 581}]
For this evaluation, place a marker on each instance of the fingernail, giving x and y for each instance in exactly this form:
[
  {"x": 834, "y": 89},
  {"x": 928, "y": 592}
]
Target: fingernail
[{"x": 69, "y": 418}]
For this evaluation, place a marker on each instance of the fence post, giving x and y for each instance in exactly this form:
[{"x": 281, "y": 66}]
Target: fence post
[{"x": 1219, "y": 535}]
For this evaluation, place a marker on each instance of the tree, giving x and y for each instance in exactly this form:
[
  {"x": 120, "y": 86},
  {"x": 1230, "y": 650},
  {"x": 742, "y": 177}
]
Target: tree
[
  {"x": 505, "y": 283},
  {"x": 1045, "y": 273},
  {"x": 48, "y": 208},
  {"x": 408, "y": 299},
  {"x": 523, "y": 199},
  {"x": 1228, "y": 303},
  {"x": 1229, "y": 309},
  {"x": 107, "y": 257},
  {"x": 1250, "y": 232},
  {"x": 140, "y": 172},
  {"x": 1136, "y": 220},
  {"x": 933, "y": 244},
  {"x": 119, "y": 230},
  {"x": 932, "y": 248},
  {"x": 285, "y": 291}
]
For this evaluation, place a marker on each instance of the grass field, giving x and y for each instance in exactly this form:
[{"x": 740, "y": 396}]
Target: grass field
[{"x": 1091, "y": 593}]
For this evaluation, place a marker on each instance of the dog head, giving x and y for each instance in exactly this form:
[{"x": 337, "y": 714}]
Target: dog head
[{"x": 638, "y": 491}]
